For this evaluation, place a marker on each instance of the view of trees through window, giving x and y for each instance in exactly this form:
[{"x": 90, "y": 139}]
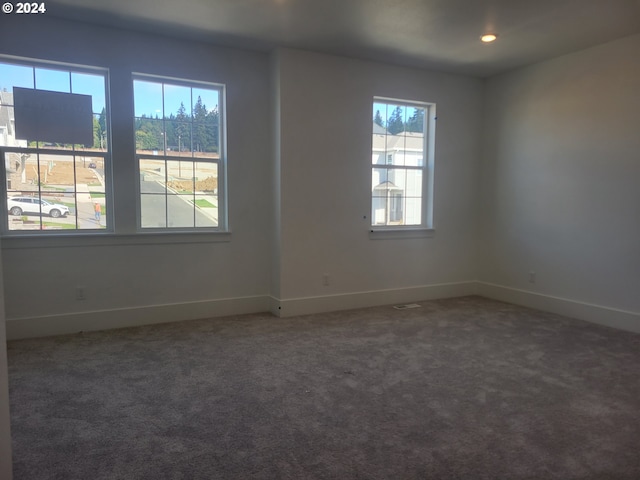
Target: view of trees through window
[
  {"x": 398, "y": 121},
  {"x": 184, "y": 133},
  {"x": 179, "y": 147}
]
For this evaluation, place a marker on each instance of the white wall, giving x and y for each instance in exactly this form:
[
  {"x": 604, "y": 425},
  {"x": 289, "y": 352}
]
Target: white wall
[
  {"x": 561, "y": 180},
  {"x": 5, "y": 423},
  {"x": 559, "y": 187},
  {"x": 299, "y": 144},
  {"x": 325, "y": 177},
  {"x": 126, "y": 273}
]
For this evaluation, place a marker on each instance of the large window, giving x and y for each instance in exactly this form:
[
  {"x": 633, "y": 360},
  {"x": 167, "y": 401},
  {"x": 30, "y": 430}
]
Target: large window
[
  {"x": 179, "y": 131},
  {"x": 402, "y": 163},
  {"x": 54, "y": 186}
]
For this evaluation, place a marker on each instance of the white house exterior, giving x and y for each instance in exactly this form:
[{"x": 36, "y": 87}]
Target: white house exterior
[
  {"x": 8, "y": 122},
  {"x": 397, "y": 184},
  {"x": 14, "y": 162}
]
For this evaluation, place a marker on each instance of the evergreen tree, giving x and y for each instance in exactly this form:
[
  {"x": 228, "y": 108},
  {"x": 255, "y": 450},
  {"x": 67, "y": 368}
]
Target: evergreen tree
[
  {"x": 182, "y": 113},
  {"x": 416, "y": 122},
  {"x": 97, "y": 133},
  {"x": 200, "y": 137},
  {"x": 378, "y": 119},
  {"x": 182, "y": 129},
  {"x": 103, "y": 121},
  {"x": 170, "y": 132},
  {"x": 149, "y": 134},
  {"x": 144, "y": 141},
  {"x": 395, "y": 124},
  {"x": 213, "y": 129}
]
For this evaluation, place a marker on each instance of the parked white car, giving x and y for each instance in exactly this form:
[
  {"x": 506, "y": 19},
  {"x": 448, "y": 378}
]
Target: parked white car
[{"x": 34, "y": 205}]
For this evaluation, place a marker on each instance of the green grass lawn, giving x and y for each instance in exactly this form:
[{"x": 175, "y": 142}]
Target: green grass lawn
[
  {"x": 97, "y": 194},
  {"x": 202, "y": 203},
  {"x": 64, "y": 226}
]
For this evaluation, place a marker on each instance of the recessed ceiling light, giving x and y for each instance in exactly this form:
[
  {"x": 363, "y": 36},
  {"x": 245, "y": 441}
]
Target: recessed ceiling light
[{"x": 489, "y": 37}]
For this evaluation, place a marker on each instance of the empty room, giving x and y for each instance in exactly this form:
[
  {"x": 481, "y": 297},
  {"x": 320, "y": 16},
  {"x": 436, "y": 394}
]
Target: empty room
[{"x": 297, "y": 239}]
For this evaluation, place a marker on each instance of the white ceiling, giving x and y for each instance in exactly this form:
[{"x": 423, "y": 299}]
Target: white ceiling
[{"x": 434, "y": 34}]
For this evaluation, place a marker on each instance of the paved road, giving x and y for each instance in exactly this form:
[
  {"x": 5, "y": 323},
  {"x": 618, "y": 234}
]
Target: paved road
[
  {"x": 177, "y": 212},
  {"x": 154, "y": 205}
]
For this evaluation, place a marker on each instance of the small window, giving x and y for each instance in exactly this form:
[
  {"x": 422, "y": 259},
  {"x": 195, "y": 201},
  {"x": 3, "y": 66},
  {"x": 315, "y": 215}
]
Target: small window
[
  {"x": 402, "y": 164},
  {"x": 48, "y": 185},
  {"x": 179, "y": 132}
]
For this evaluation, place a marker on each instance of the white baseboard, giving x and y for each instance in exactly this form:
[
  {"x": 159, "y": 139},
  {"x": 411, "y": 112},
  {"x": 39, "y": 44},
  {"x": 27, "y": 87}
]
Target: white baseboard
[
  {"x": 42, "y": 326},
  {"x": 610, "y": 317},
  {"x": 61, "y": 324},
  {"x": 347, "y": 301}
]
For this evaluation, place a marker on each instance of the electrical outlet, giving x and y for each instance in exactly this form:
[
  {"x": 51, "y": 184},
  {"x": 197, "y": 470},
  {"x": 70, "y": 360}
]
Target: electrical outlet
[
  {"x": 532, "y": 277},
  {"x": 325, "y": 279},
  {"x": 81, "y": 294}
]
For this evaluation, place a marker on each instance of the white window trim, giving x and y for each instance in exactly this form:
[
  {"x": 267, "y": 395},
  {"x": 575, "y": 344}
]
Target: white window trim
[
  {"x": 410, "y": 231},
  {"x": 426, "y": 227},
  {"x": 223, "y": 217},
  {"x": 5, "y": 232}
]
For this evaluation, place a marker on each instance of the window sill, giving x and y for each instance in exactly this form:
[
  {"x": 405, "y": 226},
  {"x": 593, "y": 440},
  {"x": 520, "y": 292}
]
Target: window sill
[
  {"x": 390, "y": 233},
  {"x": 112, "y": 239}
]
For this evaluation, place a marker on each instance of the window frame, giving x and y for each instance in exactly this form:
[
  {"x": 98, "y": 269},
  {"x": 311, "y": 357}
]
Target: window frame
[
  {"x": 221, "y": 162},
  {"x": 106, "y": 155},
  {"x": 426, "y": 226}
]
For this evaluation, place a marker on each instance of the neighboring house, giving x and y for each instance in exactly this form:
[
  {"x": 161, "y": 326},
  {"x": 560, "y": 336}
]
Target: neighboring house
[
  {"x": 397, "y": 192},
  {"x": 8, "y": 122},
  {"x": 14, "y": 162}
]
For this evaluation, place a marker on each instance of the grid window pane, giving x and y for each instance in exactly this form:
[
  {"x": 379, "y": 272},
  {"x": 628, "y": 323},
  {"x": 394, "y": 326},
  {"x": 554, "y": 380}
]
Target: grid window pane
[
  {"x": 177, "y": 102},
  {"x": 180, "y": 177},
  {"x": 100, "y": 133},
  {"x": 210, "y": 99},
  {"x": 53, "y": 80},
  {"x": 53, "y": 186},
  {"x": 190, "y": 131},
  {"x": 57, "y": 172},
  {"x": 206, "y": 177},
  {"x": 413, "y": 183},
  {"x": 150, "y": 136},
  {"x": 413, "y": 211},
  {"x": 396, "y": 149},
  {"x": 57, "y": 212},
  {"x": 397, "y": 178},
  {"x": 36, "y": 211},
  {"x": 378, "y": 149},
  {"x": 21, "y": 171},
  {"x": 180, "y": 211},
  {"x": 206, "y": 210},
  {"x": 90, "y": 84},
  {"x": 178, "y": 138},
  {"x": 147, "y": 99},
  {"x": 15, "y": 76},
  {"x": 398, "y": 141},
  {"x": 414, "y": 149},
  {"x": 152, "y": 176},
  {"x": 7, "y": 123},
  {"x": 206, "y": 140},
  {"x": 379, "y": 178},
  {"x": 70, "y": 183},
  {"x": 153, "y": 210}
]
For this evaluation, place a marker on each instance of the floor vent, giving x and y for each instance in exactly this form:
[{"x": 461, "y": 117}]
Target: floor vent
[{"x": 408, "y": 305}]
